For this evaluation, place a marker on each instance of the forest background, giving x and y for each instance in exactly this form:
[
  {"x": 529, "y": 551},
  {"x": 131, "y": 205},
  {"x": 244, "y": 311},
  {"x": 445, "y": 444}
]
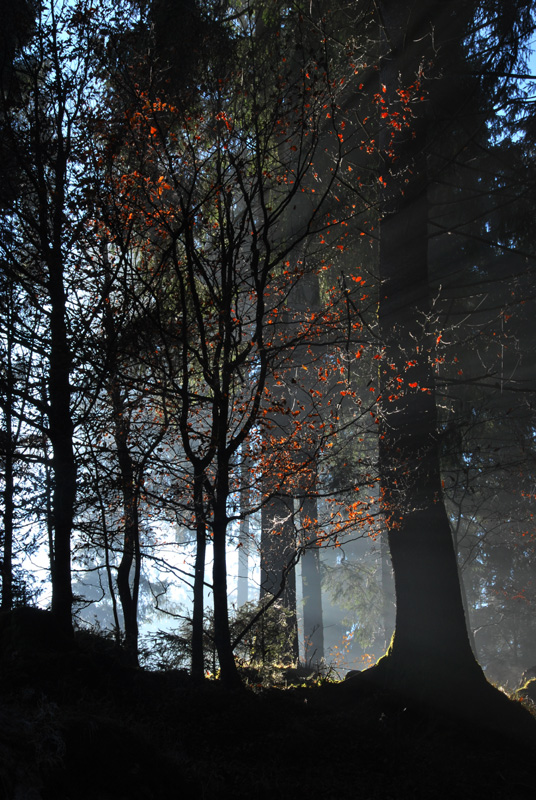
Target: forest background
[{"x": 267, "y": 302}]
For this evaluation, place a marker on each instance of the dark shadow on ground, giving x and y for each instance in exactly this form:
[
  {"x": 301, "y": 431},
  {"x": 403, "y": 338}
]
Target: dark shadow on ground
[{"x": 78, "y": 724}]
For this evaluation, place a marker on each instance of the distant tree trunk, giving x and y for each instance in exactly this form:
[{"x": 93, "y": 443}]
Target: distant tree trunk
[
  {"x": 242, "y": 589},
  {"x": 107, "y": 561},
  {"x": 243, "y": 538},
  {"x": 278, "y": 547},
  {"x": 430, "y": 634},
  {"x": 388, "y": 590},
  {"x": 278, "y": 536},
  {"x": 313, "y": 628}
]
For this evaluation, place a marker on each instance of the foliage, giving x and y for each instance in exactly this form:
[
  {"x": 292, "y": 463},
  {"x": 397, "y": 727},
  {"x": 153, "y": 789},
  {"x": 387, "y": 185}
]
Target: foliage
[
  {"x": 262, "y": 650},
  {"x": 356, "y": 587}
]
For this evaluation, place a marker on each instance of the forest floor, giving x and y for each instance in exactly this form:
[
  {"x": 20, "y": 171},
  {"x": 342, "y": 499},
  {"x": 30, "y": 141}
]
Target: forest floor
[{"x": 79, "y": 725}]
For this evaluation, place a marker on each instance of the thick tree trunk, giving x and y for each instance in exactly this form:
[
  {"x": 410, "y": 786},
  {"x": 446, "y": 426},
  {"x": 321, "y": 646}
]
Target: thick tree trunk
[{"x": 430, "y": 633}]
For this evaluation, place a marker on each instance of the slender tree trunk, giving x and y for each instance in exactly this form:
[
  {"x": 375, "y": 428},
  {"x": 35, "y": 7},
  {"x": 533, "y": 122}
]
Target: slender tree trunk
[
  {"x": 109, "y": 576},
  {"x": 61, "y": 431},
  {"x": 222, "y": 634},
  {"x": 7, "y": 549},
  {"x": 9, "y": 483},
  {"x": 242, "y": 589},
  {"x": 198, "y": 662},
  {"x": 52, "y": 206},
  {"x": 127, "y": 585},
  {"x": 243, "y": 537},
  {"x": 129, "y": 569}
]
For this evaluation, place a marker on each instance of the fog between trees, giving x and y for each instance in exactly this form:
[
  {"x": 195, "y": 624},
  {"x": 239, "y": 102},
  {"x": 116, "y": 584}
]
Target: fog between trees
[{"x": 267, "y": 295}]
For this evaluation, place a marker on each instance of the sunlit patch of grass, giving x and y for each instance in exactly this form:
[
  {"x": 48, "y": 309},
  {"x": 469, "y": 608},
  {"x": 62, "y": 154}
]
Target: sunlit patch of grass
[{"x": 526, "y": 696}]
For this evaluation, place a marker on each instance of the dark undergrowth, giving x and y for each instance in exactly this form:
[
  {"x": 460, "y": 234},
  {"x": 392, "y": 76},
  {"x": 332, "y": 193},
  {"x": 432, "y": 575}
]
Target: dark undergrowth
[{"x": 77, "y": 724}]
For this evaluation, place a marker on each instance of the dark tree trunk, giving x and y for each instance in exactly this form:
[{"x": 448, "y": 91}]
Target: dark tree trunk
[
  {"x": 128, "y": 583},
  {"x": 9, "y": 482},
  {"x": 7, "y": 544},
  {"x": 430, "y": 633},
  {"x": 222, "y": 634},
  {"x": 51, "y": 215},
  {"x": 198, "y": 664},
  {"x": 61, "y": 438}
]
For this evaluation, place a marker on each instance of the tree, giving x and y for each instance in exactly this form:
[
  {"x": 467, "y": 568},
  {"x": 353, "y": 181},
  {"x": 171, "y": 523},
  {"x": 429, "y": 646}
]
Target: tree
[
  {"x": 203, "y": 191},
  {"x": 40, "y": 143},
  {"x": 47, "y": 249},
  {"x": 420, "y": 73}
]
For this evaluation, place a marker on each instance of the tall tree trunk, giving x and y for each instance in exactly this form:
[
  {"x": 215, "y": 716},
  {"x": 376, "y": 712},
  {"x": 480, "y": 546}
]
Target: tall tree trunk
[
  {"x": 61, "y": 431},
  {"x": 129, "y": 569},
  {"x": 52, "y": 209},
  {"x": 430, "y": 633}
]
